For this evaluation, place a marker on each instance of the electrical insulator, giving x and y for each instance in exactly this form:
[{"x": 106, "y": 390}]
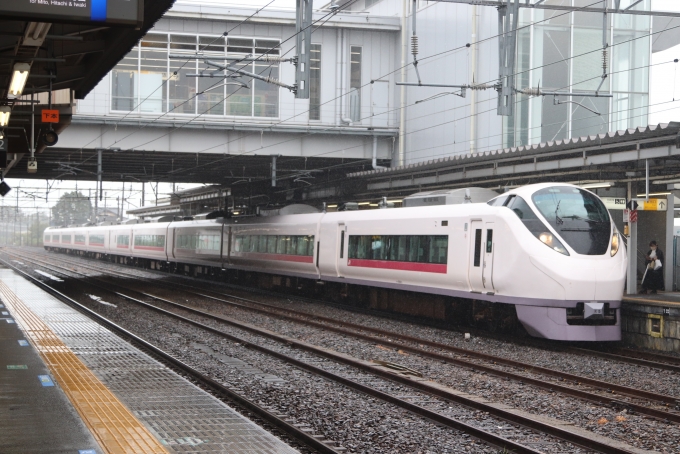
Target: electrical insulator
[
  {"x": 414, "y": 45},
  {"x": 604, "y": 61}
]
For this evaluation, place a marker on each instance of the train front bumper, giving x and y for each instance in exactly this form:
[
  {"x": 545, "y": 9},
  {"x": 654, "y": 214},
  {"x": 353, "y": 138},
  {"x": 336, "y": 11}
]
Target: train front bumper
[{"x": 551, "y": 323}]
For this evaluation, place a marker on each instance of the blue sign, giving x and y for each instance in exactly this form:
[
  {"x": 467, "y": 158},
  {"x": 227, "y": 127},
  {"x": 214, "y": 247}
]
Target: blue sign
[
  {"x": 5, "y": 313},
  {"x": 45, "y": 380},
  {"x": 10, "y": 321},
  {"x": 98, "y": 10},
  {"x": 23, "y": 343},
  {"x": 87, "y": 451}
]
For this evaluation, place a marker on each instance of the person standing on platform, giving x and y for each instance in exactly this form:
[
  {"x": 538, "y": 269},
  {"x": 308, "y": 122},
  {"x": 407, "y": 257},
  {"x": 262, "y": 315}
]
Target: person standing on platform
[{"x": 653, "y": 279}]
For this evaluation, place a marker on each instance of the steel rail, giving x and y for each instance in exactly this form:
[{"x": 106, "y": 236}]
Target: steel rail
[
  {"x": 373, "y": 369},
  {"x": 564, "y": 434},
  {"x": 184, "y": 368},
  {"x": 441, "y": 419},
  {"x": 628, "y": 357},
  {"x": 606, "y": 386}
]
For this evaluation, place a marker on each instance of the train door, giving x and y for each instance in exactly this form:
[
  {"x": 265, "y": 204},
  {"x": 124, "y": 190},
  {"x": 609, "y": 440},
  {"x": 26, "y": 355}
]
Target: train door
[
  {"x": 487, "y": 261},
  {"x": 475, "y": 265},
  {"x": 340, "y": 258}
]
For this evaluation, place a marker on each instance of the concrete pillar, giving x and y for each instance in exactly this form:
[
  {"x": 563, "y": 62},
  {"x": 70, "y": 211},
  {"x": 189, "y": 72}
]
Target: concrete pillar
[
  {"x": 670, "y": 228},
  {"x": 632, "y": 259}
]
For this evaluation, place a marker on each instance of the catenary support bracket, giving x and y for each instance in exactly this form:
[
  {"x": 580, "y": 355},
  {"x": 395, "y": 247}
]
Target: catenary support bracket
[{"x": 508, "y": 15}]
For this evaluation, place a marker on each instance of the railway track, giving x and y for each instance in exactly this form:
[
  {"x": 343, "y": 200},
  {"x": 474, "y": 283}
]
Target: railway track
[
  {"x": 504, "y": 444},
  {"x": 396, "y": 341},
  {"x": 269, "y": 418},
  {"x": 352, "y": 330}
]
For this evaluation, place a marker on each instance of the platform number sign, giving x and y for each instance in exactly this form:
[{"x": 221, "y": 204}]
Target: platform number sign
[{"x": 667, "y": 311}]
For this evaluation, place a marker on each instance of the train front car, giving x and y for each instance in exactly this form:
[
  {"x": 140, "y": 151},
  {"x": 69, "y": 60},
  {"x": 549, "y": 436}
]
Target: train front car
[{"x": 568, "y": 272}]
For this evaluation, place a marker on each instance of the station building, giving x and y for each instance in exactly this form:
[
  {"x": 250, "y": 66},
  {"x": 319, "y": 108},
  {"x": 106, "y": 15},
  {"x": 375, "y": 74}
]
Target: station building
[{"x": 356, "y": 109}]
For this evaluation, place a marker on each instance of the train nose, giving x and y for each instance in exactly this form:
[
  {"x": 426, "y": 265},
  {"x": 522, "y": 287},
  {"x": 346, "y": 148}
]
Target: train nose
[{"x": 593, "y": 311}]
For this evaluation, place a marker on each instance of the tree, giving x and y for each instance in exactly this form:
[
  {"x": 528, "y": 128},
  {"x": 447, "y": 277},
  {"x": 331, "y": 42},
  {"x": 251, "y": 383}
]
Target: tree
[{"x": 72, "y": 208}]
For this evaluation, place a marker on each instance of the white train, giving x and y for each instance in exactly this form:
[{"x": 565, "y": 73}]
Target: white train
[{"x": 550, "y": 251}]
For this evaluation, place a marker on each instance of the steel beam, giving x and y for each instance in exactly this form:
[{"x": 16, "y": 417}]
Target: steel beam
[
  {"x": 303, "y": 28},
  {"x": 508, "y": 15},
  {"x": 500, "y": 3}
]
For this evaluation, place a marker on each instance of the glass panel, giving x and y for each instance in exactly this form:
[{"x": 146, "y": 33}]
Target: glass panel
[
  {"x": 588, "y": 68},
  {"x": 124, "y": 83},
  {"x": 554, "y": 17},
  {"x": 182, "y": 88},
  {"x": 586, "y": 123},
  {"x": 630, "y": 22},
  {"x": 262, "y": 243},
  {"x": 630, "y": 110},
  {"x": 267, "y": 46},
  {"x": 355, "y": 83},
  {"x": 315, "y": 82},
  {"x": 266, "y": 97},
  {"x": 239, "y": 46},
  {"x": 281, "y": 244},
  {"x": 181, "y": 42},
  {"x": 212, "y": 93},
  {"x": 628, "y": 55},
  {"x": 153, "y": 74},
  {"x": 578, "y": 216},
  {"x": 478, "y": 246},
  {"x": 211, "y": 44},
  {"x": 438, "y": 248}
]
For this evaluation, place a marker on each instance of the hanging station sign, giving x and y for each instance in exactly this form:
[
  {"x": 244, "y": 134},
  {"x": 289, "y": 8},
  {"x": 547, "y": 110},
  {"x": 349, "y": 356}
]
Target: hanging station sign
[{"x": 110, "y": 12}]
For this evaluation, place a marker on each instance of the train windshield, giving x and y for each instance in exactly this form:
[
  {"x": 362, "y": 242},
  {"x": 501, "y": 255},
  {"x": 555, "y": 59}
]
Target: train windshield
[{"x": 578, "y": 216}]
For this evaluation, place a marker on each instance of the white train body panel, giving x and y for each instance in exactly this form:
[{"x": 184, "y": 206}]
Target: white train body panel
[
  {"x": 301, "y": 229},
  {"x": 150, "y": 241},
  {"x": 197, "y": 242},
  {"x": 534, "y": 247}
]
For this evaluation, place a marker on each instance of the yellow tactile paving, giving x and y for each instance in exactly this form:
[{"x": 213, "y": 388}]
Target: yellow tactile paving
[{"x": 116, "y": 429}]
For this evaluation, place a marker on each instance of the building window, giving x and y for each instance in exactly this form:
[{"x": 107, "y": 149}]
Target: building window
[
  {"x": 124, "y": 82},
  {"x": 315, "y": 82},
  {"x": 148, "y": 81},
  {"x": 153, "y": 73},
  {"x": 355, "y": 83},
  {"x": 259, "y": 99},
  {"x": 182, "y": 88}
]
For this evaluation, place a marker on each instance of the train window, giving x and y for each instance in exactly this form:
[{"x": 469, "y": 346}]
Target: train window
[
  {"x": 438, "y": 249},
  {"x": 271, "y": 244},
  {"x": 292, "y": 245},
  {"x": 281, "y": 244},
  {"x": 478, "y": 246},
  {"x": 154, "y": 240},
  {"x": 399, "y": 248},
  {"x": 55, "y": 238},
  {"x": 66, "y": 239},
  {"x": 97, "y": 239},
  {"x": 123, "y": 240},
  {"x": 445, "y": 223},
  {"x": 47, "y": 239},
  {"x": 489, "y": 241},
  {"x": 262, "y": 243},
  {"x": 497, "y": 201},
  {"x": 80, "y": 239}
]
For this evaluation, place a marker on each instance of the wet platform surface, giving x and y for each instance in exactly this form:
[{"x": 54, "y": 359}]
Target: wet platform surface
[{"x": 39, "y": 410}]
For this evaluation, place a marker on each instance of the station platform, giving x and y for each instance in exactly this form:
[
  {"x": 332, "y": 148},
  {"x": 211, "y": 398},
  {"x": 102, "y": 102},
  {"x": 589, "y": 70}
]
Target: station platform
[
  {"x": 71, "y": 386},
  {"x": 652, "y": 321}
]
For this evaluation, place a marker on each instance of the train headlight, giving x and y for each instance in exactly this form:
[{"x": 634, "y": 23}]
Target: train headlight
[
  {"x": 615, "y": 243},
  {"x": 553, "y": 243}
]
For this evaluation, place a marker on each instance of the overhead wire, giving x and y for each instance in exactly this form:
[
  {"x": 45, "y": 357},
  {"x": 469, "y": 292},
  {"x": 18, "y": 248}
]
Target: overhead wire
[
  {"x": 372, "y": 81},
  {"x": 424, "y": 58},
  {"x": 324, "y": 18}
]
